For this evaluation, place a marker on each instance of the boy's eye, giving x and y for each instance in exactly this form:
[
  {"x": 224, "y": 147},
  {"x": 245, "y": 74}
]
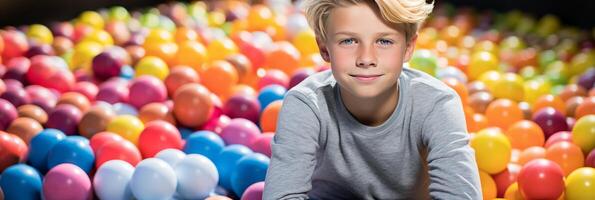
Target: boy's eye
[
  {"x": 385, "y": 42},
  {"x": 347, "y": 41}
]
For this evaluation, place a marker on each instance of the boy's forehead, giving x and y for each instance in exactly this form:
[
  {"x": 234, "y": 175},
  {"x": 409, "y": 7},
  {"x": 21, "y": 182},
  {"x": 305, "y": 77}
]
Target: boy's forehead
[{"x": 358, "y": 18}]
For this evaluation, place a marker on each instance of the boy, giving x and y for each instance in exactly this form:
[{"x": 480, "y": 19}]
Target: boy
[{"x": 368, "y": 128}]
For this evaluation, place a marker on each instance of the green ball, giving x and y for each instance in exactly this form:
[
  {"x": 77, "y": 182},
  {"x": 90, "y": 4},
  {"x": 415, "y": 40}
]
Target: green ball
[{"x": 424, "y": 60}]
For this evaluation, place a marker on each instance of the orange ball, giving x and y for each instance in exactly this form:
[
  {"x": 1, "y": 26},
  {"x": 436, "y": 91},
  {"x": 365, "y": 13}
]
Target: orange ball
[
  {"x": 283, "y": 56},
  {"x": 191, "y": 53},
  {"x": 572, "y": 104},
  {"x": 24, "y": 127},
  {"x": 503, "y": 113},
  {"x": 524, "y": 134},
  {"x": 530, "y": 154},
  {"x": 220, "y": 77},
  {"x": 243, "y": 66},
  {"x": 572, "y": 90},
  {"x": 192, "y": 105},
  {"x": 33, "y": 112},
  {"x": 488, "y": 186},
  {"x": 166, "y": 51},
  {"x": 477, "y": 123},
  {"x": 459, "y": 87},
  {"x": 513, "y": 192},
  {"x": 184, "y": 34},
  {"x": 568, "y": 155},
  {"x": 179, "y": 76},
  {"x": 549, "y": 100},
  {"x": 585, "y": 108},
  {"x": 156, "y": 111},
  {"x": 268, "y": 118},
  {"x": 76, "y": 99},
  {"x": 259, "y": 17}
]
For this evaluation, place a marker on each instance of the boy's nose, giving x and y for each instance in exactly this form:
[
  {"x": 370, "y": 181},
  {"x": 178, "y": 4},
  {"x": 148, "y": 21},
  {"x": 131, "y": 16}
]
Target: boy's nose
[{"x": 366, "y": 57}]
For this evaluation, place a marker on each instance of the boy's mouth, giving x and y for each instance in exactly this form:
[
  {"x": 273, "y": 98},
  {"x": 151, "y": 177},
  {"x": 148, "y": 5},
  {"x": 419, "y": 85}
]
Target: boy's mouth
[{"x": 365, "y": 77}]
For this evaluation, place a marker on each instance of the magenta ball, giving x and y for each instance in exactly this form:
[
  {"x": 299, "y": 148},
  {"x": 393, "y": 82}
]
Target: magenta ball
[
  {"x": 67, "y": 181},
  {"x": 112, "y": 94},
  {"x": 550, "y": 121},
  {"x": 242, "y": 106},
  {"x": 62, "y": 81},
  {"x": 299, "y": 76},
  {"x": 16, "y": 96},
  {"x": 7, "y": 114},
  {"x": 42, "y": 97},
  {"x": 107, "y": 65},
  {"x": 240, "y": 131},
  {"x": 12, "y": 84},
  {"x": 16, "y": 69},
  {"x": 216, "y": 124},
  {"x": 65, "y": 117},
  {"x": 274, "y": 76},
  {"x": 88, "y": 89},
  {"x": 43, "y": 49},
  {"x": 254, "y": 191},
  {"x": 262, "y": 144},
  {"x": 146, "y": 89},
  {"x": 590, "y": 162}
]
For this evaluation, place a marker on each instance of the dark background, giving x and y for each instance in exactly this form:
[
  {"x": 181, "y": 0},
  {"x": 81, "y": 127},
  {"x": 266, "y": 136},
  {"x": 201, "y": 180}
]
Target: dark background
[{"x": 580, "y": 13}]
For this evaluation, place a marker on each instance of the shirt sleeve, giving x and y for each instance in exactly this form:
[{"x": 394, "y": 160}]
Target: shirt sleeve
[
  {"x": 451, "y": 161},
  {"x": 294, "y": 148}
]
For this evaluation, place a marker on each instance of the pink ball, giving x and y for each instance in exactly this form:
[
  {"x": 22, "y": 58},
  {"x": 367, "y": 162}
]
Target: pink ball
[
  {"x": 7, "y": 114},
  {"x": 42, "y": 67},
  {"x": 240, "y": 131},
  {"x": 254, "y": 192},
  {"x": 16, "y": 96},
  {"x": 146, "y": 89},
  {"x": 590, "y": 161},
  {"x": 65, "y": 117},
  {"x": 112, "y": 94},
  {"x": 242, "y": 106},
  {"x": 42, "y": 97},
  {"x": 299, "y": 76},
  {"x": 216, "y": 124},
  {"x": 67, "y": 181},
  {"x": 273, "y": 76},
  {"x": 88, "y": 89},
  {"x": 262, "y": 144},
  {"x": 558, "y": 137},
  {"x": 62, "y": 81}
]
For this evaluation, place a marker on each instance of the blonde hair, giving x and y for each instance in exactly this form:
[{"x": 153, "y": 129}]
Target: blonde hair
[{"x": 410, "y": 13}]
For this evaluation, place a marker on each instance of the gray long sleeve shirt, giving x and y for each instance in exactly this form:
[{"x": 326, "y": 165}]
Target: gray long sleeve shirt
[{"x": 320, "y": 151}]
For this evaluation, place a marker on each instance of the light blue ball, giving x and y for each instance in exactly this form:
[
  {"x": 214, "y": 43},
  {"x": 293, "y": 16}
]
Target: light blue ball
[{"x": 205, "y": 143}]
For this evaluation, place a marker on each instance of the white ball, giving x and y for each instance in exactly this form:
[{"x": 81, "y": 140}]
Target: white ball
[
  {"x": 111, "y": 180},
  {"x": 171, "y": 156},
  {"x": 197, "y": 177},
  {"x": 153, "y": 179}
]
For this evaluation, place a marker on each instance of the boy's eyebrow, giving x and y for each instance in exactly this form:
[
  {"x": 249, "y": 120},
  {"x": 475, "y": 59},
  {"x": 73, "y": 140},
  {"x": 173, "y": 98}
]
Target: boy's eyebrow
[{"x": 355, "y": 34}]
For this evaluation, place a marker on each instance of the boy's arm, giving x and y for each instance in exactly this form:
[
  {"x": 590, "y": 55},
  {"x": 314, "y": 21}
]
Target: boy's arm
[
  {"x": 293, "y": 150},
  {"x": 451, "y": 161}
]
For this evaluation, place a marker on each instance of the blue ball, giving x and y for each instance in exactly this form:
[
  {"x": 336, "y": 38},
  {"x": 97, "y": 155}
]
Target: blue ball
[
  {"x": 40, "y": 145},
  {"x": 127, "y": 72},
  {"x": 21, "y": 182},
  {"x": 249, "y": 170},
  {"x": 205, "y": 143},
  {"x": 185, "y": 132},
  {"x": 270, "y": 93},
  {"x": 73, "y": 149},
  {"x": 226, "y": 162}
]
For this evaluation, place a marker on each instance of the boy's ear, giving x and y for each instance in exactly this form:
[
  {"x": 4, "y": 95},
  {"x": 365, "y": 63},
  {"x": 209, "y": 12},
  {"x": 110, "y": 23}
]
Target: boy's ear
[
  {"x": 410, "y": 48},
  {"x": 323, "y": 50}
]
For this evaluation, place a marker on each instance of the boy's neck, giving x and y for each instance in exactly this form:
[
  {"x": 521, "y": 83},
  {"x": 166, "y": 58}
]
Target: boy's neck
[{"x": 372, "y": 111}]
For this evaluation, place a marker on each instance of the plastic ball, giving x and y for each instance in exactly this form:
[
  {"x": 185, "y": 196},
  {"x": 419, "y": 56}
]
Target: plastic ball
[
  {"x": 541, "y": 179},
  {"x": 583, "y": 133},
  {"x": 197, "y": 177},
  {"x": 550, "y": 101},
  {"x": 124, "y": 109},
  {"x": 15, "y": 44},
  {"x": 73, "y": 149},
  {"x": 14, "y": 150},
  {"x": 488, "y": 186},
  {"x": 192, "y": 105},
  {"x": 76, "y": 99},
  {"x": 179, "y": 76},
  {"x": 25, "y": 128},
  {"x": 191, "y": 53},
  {"x": 220, "y": 77},
  {"x": 524, "y": 134},
  {"x": 262, "y": 144},
  {"x": 283, "y": 56},
  {"x": 254, "y": 191},
  {"x": 107, "y": 64},
  {"x": 16, "y": 96},
  {"x": 568, "y": 156},
  {"x": 240, "y": 131},
  {"x": 153, "y": 179},
  {"x": 102, "y": 138},
  {"x": 216, "y": 124},
  {"x": 249, "y": 169},
  {"x": 171, "y": 156},
  {"x": 268, "y": 118},
  {"x": 129, "y": 127},
  {"x": 305, "y": 42},
  {"x": 84, "y": 53},
  {"x": 8, "y": 113},
  {"x": 145, "y": 90},
  {"x": 40, "y": 146},
  {"x": 424, "y": 60},
  {"x": 219, "y": 49},
  {"x": 153, "y": 66},
  {"x": 503, "y": 113},
  {"x": 226, "y": 162},
  {"x": 111, "y": 180},
  {"x": 530, "y": 154},
  {"x": 117, "y": 150},
  {"x": 550, "y": 120},
  {"x": 158, "y": 135},
  {"x": 112, "y": 94},
  {"x": 242, "y": 106},
  {"x": 451, "y": 72},
  {"x": 585, "y": 108},
  {"x": 65, "y": 118},
  {"x": 21, "y": 181},
  {"x": 33, "y": 112},
  {"x": 562, "y": 136},
  {"x": 580, "y": 183},
  {"x": 506, "y": 178},
  {"x": 510, "y": 86},
  {"x": 94, "y": 121},
  {"x": 273, "y": 76},
  {"x": 492, "y": 150},
  {"x": 271, "y": 93},
  {"x": 205, "y": 143},
  {"x": 67, "y": 181},
  {"x": 156, "y": 111},
  {"x": 299, "y": 76}
]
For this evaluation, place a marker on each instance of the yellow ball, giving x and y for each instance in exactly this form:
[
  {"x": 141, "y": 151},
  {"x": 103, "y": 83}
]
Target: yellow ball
[
  {"x": 40, "y": 33},
  {"x": 305, "y": 42},
  {"x": 580, "y": 184},
  {"x": 260, "y": 17},
  {"x": 127, "y": 126},
  {"x": 581, "y": 62},
  {"x": 533, "y": 89},
  {"x": 488, "y": 185},
  {"x": 583, "y": 133},
  {"x": 492, "y": 150},
  {"x": 102, "y": 37},
  {"x": 92, "y": 18},
  {"x": 191, "y": 53},
  {"x": 84, "y": 53},
  {"x": 153, "y": 66},
  {"x": 480, "y": 63},
  {"x": 159, "y": 36},
  {"x": 490, "y": 79},
  {"x": 221, "y": 48},
  {"x": 510, "y": 86},
  {"x": 216, "y": 18},
  {"x": 486, "y": 45}
]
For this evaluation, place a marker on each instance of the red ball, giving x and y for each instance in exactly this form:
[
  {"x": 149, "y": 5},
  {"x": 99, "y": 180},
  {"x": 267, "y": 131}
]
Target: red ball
[
  {"x": 506, "y": 178},
  {"x": 88, "y": 89},
  {"x": 15, "y": 44},
  {"x": 102, "y": 138},
  {"x": 62, "y": 81},
  {"x": 118, "y": 150},
  {"x": 12, "y": 150},
  {"x": 158, "y": 135},
  {"x": 42, "y": 67},
  {"x": 541, "y": 179}
]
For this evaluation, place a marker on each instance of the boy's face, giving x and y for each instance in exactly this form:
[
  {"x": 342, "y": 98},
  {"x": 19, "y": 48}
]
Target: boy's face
[{"x": 365, "y": 53}]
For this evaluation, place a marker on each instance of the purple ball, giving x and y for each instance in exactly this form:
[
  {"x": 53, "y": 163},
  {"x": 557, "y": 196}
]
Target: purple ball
[
  {"x": 590, "y": 162},
  {"x": 65, "y": 117},
  {"x": 146, "y": 89},
  {"x": 242, "y": 106},
  {"x": 112, "y": 94},
  {"x": 67, "y": 181},
  {"x": 106, "y": 65},
  {"x": 44, "y": 49},
  {"x": 7, "y": 114},
  {"x": 42, "y": 97},
  {"x": 299, "y": 76},
  {"x": 240, "y": 131},
  {"x": 16, "y": 96},
  {"x": 550, "y": 121},
  {"x": 254, "y": 192},
  {"x": 587, "y": 80}
]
